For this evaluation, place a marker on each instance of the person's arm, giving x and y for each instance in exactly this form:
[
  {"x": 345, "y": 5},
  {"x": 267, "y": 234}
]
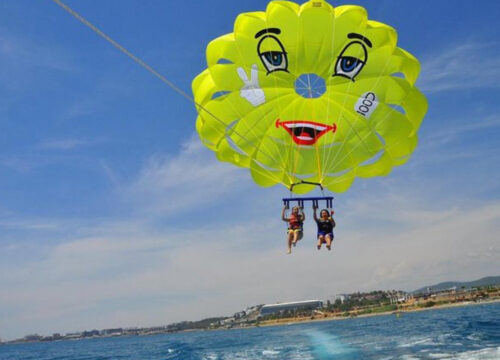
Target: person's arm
[
  {"x": 333, "y": 222},
  {"x": 315, "y": 217},
  {"x": 302, "y": 214},
  {"x": 283, "y": 214}
]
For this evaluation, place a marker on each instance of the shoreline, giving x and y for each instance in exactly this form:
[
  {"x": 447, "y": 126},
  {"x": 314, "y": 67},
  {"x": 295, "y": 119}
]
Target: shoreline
[
  {"x": 294, "y": 321},
  {"x": 281, "y": 322}
]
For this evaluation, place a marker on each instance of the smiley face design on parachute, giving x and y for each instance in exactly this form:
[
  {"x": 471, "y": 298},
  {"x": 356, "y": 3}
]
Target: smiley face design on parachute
[
  {"x": 273, "y": 56},
  {"x": 309, "y": 91}
]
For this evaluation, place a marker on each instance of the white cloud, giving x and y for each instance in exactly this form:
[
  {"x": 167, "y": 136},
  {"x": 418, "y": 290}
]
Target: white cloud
[
  {"x": 460, "y": 151},
  {"x": 97, "y": 97},
  {"x": 81, "y": 108},
  {"x": 62, "y": 144},
  {"x": 69, "y": 143},
  {"x": 130, "y": 271},
  {"x": 130, "y": 274},
  {"x": 192, "y": 178},
  {"x": 462, "y": 127},
  {"x": 38, "y": 224},
  {"x": 25, "y": 51},
  {"x": 467, "y": 66}
]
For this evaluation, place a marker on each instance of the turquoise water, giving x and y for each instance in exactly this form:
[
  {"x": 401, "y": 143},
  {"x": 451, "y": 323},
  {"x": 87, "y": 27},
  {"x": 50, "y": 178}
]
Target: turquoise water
[{"x": 471, "y": 332}]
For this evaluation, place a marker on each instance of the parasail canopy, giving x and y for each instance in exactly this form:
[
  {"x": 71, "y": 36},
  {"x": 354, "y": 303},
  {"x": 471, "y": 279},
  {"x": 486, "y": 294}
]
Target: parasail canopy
[{"x": 309, "y": 94}]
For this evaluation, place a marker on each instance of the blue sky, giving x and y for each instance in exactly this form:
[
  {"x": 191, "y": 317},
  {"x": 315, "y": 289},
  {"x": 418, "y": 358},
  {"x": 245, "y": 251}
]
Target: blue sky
[{"x": 113, "y": 214}]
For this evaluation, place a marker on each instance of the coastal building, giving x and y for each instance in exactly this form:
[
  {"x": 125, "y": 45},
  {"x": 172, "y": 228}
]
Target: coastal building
[
  {"x": 111, "y": 332},
  {"x": 152, "y": 329},
  {"x": 240, "y": 314},
  {"x": 91, "y": 333},
  {"x": 342, "y": 297},
  {"x": 451, "y": 290},
  {"x": 33, "y": 337},
  {"x": 227, "y": 321},
  {"x": 399, "y": 297},
  {"x": 290, "y": 306},
  {"x": 441, "y": 292}
]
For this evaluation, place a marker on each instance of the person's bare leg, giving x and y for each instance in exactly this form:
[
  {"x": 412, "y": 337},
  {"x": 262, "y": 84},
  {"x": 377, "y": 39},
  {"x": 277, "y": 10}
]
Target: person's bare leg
[
  {"x": 295, "y": 237},
  {"x": 321, "y": 238},
  {"x": 328, "y": 242},
  {"x": 289, "y": 242}
]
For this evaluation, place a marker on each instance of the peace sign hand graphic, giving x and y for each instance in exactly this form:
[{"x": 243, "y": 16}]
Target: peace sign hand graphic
[{"x": 251, "y": 90}]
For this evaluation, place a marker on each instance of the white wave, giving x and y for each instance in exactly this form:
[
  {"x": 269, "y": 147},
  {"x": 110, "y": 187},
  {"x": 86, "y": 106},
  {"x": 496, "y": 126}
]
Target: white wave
[
  {"x": 270, "y": 352},
  {"x": 418, "y": 341},
  {"x": 474, "y": 337},
  {"x": 483, "y": 354},
  {"x": 439, "y": 355},
  {"x": 210, "y": 357},
  {"x": 300, "y": 355},
  {"x": 409, "y": 357}
]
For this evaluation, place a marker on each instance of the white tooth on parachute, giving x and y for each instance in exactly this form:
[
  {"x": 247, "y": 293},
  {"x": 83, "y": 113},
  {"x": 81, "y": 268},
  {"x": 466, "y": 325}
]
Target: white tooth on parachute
[
  {"x": 294, "y": 125},
  {"x": 304, "y": 138}
]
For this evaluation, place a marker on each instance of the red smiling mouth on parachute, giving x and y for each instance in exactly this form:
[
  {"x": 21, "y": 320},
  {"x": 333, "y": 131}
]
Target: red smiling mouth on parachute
[{"x": 305, "y": 132}]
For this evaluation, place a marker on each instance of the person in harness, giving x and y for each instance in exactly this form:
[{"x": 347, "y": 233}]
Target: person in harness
[
  {"x": 325, "y": 227},
  {"x": 295, "y": 226}
]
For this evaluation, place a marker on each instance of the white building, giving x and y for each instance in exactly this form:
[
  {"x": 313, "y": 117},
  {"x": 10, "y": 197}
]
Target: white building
[
  {"x": 342, "y": 297},
  {"x": 294, "y": 305}
]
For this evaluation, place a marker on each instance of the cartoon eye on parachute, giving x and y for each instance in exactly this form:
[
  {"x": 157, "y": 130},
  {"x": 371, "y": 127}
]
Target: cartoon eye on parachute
[{"x": 309, "y": 95}]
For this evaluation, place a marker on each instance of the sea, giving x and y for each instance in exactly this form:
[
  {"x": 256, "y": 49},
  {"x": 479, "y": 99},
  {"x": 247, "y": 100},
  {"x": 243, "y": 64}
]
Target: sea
[{"x": 467, "y": 332}]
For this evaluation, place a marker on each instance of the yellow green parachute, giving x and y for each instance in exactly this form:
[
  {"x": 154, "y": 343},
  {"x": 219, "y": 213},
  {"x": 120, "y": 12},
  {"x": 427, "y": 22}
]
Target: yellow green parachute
[{"x": 309, "y": 93}]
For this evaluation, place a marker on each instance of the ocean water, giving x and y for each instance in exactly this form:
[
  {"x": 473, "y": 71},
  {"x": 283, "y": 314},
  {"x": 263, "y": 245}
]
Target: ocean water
[{"x": 471, "y": 332}]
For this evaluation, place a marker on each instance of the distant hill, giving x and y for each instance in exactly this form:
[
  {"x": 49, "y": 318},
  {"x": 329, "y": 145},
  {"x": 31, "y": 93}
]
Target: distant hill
[{"x": 489, "y": 280}]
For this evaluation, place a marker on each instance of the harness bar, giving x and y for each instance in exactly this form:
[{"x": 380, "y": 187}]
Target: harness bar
[{"x": 314, "y": 200}]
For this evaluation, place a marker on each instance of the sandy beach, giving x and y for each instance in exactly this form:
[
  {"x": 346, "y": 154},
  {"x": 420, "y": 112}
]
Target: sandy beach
[{"x": 326, "y": 317}]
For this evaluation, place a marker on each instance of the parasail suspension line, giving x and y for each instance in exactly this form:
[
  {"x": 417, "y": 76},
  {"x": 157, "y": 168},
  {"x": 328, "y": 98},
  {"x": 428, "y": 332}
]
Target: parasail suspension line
[{"x": 146, "y": 66}]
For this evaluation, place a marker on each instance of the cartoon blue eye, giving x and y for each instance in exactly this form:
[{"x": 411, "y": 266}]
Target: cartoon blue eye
[
  {"x": 274, "y": 58},
  {"x": 272, "y": 54},
  {"x": 348, "y": 63},
  {"x": 351, "y": 60}
]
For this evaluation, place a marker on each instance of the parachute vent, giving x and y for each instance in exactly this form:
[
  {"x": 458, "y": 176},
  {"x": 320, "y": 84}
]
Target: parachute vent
[
  {"x": 224, "y": 61},
  {"x": 398, "y": 108},
  {"x": 219, "y": 94}
]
